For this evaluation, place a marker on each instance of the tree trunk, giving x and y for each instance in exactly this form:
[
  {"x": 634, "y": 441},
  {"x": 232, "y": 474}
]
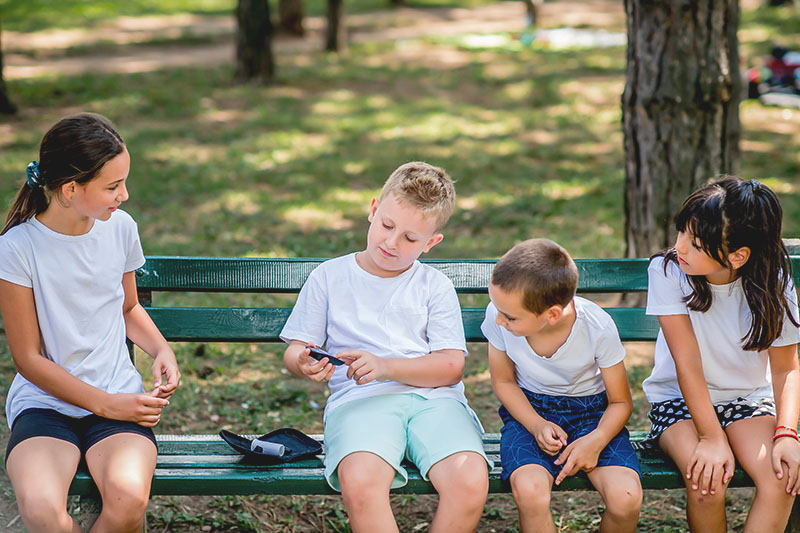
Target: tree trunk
[
  {"x": 531, "y": 10},
  {"x": 7, "y": 107},
  {"x": 334, "y": 33},
  {"x": 680, "y": 110},
  {"x": 254, "y": 59},
  {"x": 291, "y": 13},
  {"x": 397, "y": 2}
]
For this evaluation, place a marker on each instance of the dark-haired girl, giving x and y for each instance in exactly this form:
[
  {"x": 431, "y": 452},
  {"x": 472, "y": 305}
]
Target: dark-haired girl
[
  {"x": 68, "y": 301},
  {"x": 726, "y": 381}
]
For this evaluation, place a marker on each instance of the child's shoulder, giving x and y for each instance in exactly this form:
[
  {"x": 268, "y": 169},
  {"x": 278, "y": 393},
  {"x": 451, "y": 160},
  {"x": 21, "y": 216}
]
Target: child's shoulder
[{"x": 591, "y": 313}]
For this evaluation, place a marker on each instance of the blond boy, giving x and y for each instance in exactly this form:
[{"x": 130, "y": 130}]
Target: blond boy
[{"x": 397, "y": 325}]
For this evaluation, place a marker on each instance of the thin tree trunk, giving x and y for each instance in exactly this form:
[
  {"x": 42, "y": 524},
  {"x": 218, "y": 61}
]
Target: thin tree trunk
[
  {"x": 334, "y": 34},
  {"x": 290, "y": 14},
  {"x": 254, "y": 59},
  {"x": 7, "y": 107},
  {"x": 532, "y": 11},
  {"x": 680, "y": 110}
]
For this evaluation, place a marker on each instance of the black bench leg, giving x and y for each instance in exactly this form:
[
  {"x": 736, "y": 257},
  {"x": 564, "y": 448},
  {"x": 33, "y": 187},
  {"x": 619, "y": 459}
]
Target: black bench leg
[{"x": 794, "y": 519}]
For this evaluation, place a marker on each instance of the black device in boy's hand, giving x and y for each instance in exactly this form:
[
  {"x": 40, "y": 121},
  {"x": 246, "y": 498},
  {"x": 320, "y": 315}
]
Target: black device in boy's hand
[{"x": 319, "y": 354}]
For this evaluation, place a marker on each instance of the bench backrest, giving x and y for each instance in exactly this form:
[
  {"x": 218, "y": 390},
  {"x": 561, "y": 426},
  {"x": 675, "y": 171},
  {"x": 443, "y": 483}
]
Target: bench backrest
[{"x": 277, "y": 276}]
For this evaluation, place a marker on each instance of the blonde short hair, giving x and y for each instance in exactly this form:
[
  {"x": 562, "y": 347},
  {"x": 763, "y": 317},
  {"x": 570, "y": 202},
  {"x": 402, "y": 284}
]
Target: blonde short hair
[
  {"x": 542, "y": 270},
  {"x": 424, "y": 187}
]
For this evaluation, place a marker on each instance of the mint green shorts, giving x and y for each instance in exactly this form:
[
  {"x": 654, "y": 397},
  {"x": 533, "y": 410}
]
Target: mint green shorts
[{"x": 398, "y": 426}]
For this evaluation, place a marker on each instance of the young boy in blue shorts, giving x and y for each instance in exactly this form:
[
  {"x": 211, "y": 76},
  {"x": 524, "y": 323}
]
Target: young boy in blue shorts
[
  {"x": 396, "y": 324},
  {"x": 556, "y": 365}
]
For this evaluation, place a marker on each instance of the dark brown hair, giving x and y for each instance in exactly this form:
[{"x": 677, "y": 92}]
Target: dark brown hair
[
  {"x": 724, "y": 216},
  {"x": 542, "y": 270},
  {"x": 75, "y": 149}
]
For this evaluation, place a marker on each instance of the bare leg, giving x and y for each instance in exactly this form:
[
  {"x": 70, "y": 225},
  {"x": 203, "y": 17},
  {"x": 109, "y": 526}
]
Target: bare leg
[
  {"x": 122, "y": 466},
  {"x": 462, "y": 481},
  {"x": 365, "y": 479},
  {"x": 621, "y": 490},
  {"x": 751, "y": 441},
  {"x": 531, "y": 486},
  {"x": 41, "y": 470},
  {"x": 705, "y": 512}
]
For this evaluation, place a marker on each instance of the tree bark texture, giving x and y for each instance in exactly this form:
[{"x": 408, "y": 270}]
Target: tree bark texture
[
  {"x": 254, "y": 58},
  {"x": 334, "y": 33},
  {"x": 291, "y": 13},
  {"x": 680, "y": 110},
  {"x": 7, "y": 107}
]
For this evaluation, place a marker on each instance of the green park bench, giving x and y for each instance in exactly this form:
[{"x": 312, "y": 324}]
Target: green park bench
[{"x": 206, "y": 465}]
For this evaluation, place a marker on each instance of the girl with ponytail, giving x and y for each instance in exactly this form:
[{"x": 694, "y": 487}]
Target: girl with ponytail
[{"x": 68, "y": 301}]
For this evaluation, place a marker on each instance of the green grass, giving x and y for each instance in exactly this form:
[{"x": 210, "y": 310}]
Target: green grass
[{"x": 532, "y": 136}]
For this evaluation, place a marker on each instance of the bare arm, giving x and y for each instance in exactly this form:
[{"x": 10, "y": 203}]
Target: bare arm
[
  {"x": 712, "y": 461},
  {"x": 297, "y": 361},
  {"x": 582, "y": 453},
  {"x": 550, "y": 437},
  {"x": 785, "y": 370},
  {"x": 22, "y": 331},
  {"x": 439, "y": 368},
  {"x": 141, "y": 329}
]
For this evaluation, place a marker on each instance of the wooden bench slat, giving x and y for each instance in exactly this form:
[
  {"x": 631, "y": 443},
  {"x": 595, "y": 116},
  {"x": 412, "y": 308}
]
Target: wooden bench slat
[
  {"x": 206, "y": 465},
  {"x": 242, "y": 275},
  {"x": 209, "y": 324}
]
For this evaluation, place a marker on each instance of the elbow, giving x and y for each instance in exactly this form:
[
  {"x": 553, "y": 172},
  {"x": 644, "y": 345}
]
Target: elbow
[{"x": 455, "y": 370}]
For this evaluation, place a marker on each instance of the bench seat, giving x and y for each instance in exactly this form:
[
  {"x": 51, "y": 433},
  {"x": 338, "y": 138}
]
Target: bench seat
[{"x": 205, "y": 465}]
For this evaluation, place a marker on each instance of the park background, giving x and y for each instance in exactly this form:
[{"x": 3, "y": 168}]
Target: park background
[{"x": 531, "y": 132}]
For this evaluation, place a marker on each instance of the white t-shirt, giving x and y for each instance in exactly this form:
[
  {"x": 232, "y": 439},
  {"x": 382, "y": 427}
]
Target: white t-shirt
[
  {"x": 730, "y": 371},
  {"x": 574, "y": 370},
  {"x": 343, "y": 307},
  {"x": 77, "y": 290}
]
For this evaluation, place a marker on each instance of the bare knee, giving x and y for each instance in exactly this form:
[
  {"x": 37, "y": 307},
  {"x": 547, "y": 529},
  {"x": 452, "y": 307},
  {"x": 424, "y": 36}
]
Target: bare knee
[
  {"x": 363, "y": 483},
  {"x": 124, "y": 505},
  {"x": 41, "y": 512},
  {"x": 531, "y": 492},
  {"x": 699, "y": 501},
  {"x": 468, "y": 484},
  {"x": 624, "y": 502}
]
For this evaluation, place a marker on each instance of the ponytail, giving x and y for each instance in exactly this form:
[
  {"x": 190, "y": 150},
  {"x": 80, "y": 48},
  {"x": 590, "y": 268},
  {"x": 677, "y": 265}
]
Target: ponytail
[{"x": 74, "y": 149}]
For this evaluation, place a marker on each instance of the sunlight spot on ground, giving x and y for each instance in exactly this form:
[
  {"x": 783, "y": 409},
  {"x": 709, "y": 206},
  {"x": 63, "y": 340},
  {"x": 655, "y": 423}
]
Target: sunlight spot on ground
[
  {"x": 541, "y": 137},
  {"x": 241, "y": 202},
  {"x": 478, "y": 378},
  {"x": 780, "y": 186},
  {"x": 556, "y": 190},
  {"x": 756, "y": 146},
  {"x": 311, "y": 218},
  {"x": 351, "y": 196}
]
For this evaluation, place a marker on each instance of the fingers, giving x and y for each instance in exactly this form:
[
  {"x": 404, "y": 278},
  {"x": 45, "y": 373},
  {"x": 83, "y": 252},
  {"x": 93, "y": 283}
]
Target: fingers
[
  {"x": 705, "y": 478},
  {"x": 569, "y": 468},
  {"x": 777, "y": 467}
]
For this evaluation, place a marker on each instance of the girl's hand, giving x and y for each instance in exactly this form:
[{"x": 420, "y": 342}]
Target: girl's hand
[
  {"x": 786, "y": 457},
  {"x": 711, "y": 465},
  {"x": 549, "y": 436},
  {"x": 580, "y": 454},
  {"x": 314, "y": 370},
  {"x": 364, "y": 366},
  {"x": 166, "y": 365},
  {"x": 142, "y": 408}
]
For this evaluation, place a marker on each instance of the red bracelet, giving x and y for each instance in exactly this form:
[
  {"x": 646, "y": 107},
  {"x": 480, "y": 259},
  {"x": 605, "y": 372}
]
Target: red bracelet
[
  {"x": 787, "y": 429},
  {"x": 779, "y": 435}
]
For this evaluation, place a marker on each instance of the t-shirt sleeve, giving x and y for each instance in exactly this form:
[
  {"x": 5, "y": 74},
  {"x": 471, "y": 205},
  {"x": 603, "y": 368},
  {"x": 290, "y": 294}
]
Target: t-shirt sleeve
[
  {"x": 664, "y": 293},
  {"x": 491, "y": 330},
  {"x": 15, "y": 267},
  {"x": 309, "y": 317},
  {"x": 790, "y": 334},
  {"x": 135, "y": 257},
  {"x": 608, "y": 346},
  {"x": 445, "y": 327}
]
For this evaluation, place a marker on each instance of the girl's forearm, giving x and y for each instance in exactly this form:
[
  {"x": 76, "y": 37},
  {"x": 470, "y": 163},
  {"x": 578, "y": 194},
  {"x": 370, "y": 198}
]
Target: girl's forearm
[
  {"x": 143, "y": 332},
  {"x": 786, "y": 388},
  {"x": 57, "y": 381},
  {"x": 698, "y": 400}
]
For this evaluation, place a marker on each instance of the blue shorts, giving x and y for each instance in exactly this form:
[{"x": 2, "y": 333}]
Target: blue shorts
[
  {"x": 577, "y": 416},
  {"x": 83, "y": 432},
  {"x": 400, "y": 426}
]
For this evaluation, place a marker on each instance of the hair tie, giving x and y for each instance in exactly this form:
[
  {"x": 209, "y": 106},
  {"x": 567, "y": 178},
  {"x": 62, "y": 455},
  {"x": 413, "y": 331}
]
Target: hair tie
[
  {"x": 34, "y": 177},
  {"x": 756, "y": 185}
]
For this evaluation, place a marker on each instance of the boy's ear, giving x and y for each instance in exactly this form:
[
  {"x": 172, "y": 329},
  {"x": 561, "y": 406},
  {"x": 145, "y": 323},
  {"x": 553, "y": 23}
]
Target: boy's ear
[
  {"x": 373, "y": 206},
  {"x": 739, "y": 257},
  {"x": 436, "y": 239},
  {"x": 554, "y": 313}
]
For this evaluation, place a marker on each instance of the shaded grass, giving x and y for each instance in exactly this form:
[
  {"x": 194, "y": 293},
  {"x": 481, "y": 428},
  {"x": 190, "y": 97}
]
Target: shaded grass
[{"x": 532, "y": 137}]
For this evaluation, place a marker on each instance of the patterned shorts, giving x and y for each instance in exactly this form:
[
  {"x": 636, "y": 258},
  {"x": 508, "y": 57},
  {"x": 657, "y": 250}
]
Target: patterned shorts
[
  {"x": 577, "y": 416},
  {"x": 663, "y": 414}
]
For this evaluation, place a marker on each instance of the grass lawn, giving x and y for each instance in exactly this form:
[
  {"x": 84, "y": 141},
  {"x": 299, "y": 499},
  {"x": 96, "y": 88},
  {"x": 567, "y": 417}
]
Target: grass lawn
[{"x": 532, "y": 136}]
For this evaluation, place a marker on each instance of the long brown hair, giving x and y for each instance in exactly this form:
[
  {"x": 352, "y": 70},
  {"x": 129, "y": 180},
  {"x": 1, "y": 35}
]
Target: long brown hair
[
  {"x": 75, "y": 149},
  {"x": 726, "y": 215}
]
